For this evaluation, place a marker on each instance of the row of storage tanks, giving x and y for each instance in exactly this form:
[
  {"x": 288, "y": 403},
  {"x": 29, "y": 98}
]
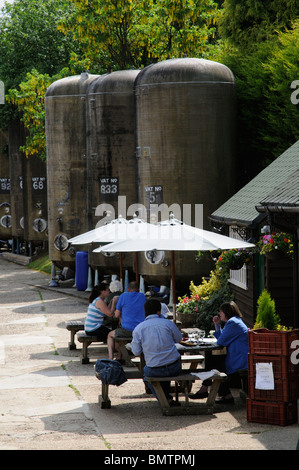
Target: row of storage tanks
[
  {"x": 23, "y": 194},
  {"x": 162, "y": 135}
]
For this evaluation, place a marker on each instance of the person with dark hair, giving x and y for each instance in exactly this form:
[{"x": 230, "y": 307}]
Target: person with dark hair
[
  {"x": 97, "y": 312},
  {"x": 130, "y": 311},
  {"x": 156, "y": 338},
  {"x": 234, "y": 336}
]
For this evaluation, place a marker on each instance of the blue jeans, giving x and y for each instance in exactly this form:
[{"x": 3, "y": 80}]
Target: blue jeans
[{"x": 163, "y": 371}]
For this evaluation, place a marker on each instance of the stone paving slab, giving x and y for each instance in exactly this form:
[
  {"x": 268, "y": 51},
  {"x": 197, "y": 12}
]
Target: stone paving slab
[{"x": 49, "y": 400}]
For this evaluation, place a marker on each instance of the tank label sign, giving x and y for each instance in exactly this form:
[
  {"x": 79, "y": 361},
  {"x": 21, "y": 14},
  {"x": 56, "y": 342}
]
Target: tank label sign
[
  {"x": 38, "y": 183},
  {"x": 4, "y": 185},
  {"x": 153, "y": 195},
  {"x": 108, "y": 189}
]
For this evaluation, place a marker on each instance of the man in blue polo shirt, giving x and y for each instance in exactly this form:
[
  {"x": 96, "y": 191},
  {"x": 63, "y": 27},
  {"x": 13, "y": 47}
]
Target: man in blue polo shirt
[{"x": 130, "y": 310}]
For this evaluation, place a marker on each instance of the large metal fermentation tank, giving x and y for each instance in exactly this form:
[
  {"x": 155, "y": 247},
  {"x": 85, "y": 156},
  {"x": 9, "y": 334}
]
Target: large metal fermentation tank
[
  {"x": 16, "y": 138},
  {"x": 5, "y": 205},
  {"x": 35, "y": 203},
  {"x": 65, "y": 106},
  {"x": 111, "y": 162},
  {"x": 185, "y": 110}
]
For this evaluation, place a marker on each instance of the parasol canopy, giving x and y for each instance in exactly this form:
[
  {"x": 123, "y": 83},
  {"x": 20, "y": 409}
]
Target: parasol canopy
[{"x": 174, "y": 235}]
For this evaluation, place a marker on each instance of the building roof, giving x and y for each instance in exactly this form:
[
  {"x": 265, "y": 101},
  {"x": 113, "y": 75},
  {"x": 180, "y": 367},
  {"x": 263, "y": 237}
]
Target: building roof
[
  {"x": 241, "y": 208},
  {"x": 285, "y": 194}
]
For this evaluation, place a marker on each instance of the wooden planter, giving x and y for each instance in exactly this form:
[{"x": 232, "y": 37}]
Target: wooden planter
[{"x": 187, "y": 319}]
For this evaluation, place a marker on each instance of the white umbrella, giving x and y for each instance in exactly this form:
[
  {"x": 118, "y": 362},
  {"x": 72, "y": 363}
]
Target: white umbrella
[
  {"x": 173, "y": 235},
  {"x": 116, "y": 230},
  {"x": 104, "y": 233}
]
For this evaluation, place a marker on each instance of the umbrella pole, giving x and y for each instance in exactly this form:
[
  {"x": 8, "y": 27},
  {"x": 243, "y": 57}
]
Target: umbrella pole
[
  {"x": 136, "y": 265},
  {"x": 173, "y": 285},
  {"x": 121, "y": 268}
]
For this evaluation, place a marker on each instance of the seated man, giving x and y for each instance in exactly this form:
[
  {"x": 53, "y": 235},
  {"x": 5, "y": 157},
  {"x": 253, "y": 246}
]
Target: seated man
[
  {"x": 156, "y": 338},
  {"x": 130, "y": 311}
]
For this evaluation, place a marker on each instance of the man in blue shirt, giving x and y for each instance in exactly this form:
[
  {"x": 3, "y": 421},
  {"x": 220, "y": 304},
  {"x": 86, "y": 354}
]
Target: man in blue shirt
[
  {"x": 156, "y": 338},
  {"x": 130, "y": 310}
]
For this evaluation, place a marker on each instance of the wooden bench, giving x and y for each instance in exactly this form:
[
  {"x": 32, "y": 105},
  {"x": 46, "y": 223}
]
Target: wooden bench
[
  {"x": 104, "y": 399},
  {"x": 193, "y": 360},
  {"x": 184, "y": 381},
  {"x": 86, "y": 341},
  {"x": 74, "y": 326}
]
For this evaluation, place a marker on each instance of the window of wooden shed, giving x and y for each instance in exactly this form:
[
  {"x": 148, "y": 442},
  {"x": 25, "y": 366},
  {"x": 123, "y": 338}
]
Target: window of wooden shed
[{"x": 237, "y": 277}]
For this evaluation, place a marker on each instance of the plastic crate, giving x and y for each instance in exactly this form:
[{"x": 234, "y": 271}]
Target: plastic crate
[
  {"x": 280, "y": 414},
  {"x": 283, "y": 368},
  {"x": 284, "y": 391},
  {"x": 263, "y": 341}
]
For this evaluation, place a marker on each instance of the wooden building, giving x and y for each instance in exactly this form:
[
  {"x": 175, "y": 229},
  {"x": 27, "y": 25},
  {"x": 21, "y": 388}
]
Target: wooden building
[{"x": 268, "y": 201}]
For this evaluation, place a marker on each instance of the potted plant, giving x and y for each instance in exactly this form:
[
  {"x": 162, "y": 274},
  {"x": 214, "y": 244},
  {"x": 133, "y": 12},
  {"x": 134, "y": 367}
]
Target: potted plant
[
  {"x": 266, "y": 312},
  {"x": 275, "y": 244},
  {"x": 268, "y": 336},
  {"x": 187, "y": 310}
]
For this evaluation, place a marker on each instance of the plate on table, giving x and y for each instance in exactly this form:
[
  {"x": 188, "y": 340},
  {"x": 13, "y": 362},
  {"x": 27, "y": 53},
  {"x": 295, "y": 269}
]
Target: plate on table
[{"x": 187, "y": 343}]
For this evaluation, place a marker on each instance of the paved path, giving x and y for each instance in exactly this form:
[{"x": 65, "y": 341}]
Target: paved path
[{"x": 49, "y": 400}]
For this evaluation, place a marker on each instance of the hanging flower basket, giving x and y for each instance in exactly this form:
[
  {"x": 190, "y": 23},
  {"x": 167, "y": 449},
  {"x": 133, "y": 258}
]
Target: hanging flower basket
[
  {"x": 236, "y": 264},
  {"x": 276, "y": 244},
  {"x": 234, "y": 259}
]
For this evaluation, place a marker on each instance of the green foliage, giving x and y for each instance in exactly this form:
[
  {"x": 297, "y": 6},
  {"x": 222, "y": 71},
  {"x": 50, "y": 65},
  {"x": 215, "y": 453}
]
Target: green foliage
[
  {"x": 133, "y": 33},
  {"x": 210, "y": 294},
  {"x": 267, "y": 120},
  {"x": 233, "y": 259},
  {"x": 29, "y": 39},
  {"x": 31, "y": 43},
  {"x": 29, "y": 99},
  {"x": 42, "y": 264},
  {"x": 249, "y": 22},
  {"x": 210, "y": 307},
  {"x": 217, "y": 278},
  {"x": 266, "y": 312},
  {"x": 281, "y": 115},
  {"x": 259, "y": 43}
]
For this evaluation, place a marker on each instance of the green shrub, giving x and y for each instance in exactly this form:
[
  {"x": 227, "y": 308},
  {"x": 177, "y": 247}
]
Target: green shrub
[
  {"x": 210, "y": 307},
  {"x": 266, "y": 312}
]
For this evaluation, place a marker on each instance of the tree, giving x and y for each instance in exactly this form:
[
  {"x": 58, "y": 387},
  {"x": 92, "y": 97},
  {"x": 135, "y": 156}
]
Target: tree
[
  {"x": 29, "y": 100},
  {"x": 281, "y": 115},
  {"x": 264, "y": 71},
  {"x": 29, "y": 39},
  {"x": 248, "y": 22},
  {"x": 122, "y": 34}
]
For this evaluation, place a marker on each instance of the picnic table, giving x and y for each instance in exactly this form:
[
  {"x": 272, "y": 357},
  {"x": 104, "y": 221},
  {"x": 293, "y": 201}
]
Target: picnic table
[{"x": 183, "y": 381}]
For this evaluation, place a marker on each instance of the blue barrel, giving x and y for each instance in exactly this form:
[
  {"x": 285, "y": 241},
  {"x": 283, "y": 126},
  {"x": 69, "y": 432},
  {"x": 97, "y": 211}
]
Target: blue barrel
[{"x": 81, "y": 270}]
